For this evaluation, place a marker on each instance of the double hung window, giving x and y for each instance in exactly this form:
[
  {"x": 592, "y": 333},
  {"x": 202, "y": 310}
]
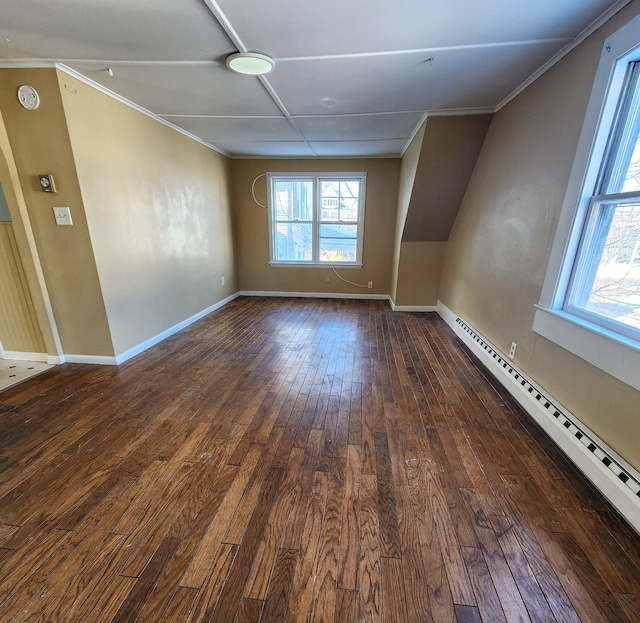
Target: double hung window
[
  {"x": 590, "y": 300},
  {"x": 316, "y": 218},
  {"x": 605, "y": 282}
]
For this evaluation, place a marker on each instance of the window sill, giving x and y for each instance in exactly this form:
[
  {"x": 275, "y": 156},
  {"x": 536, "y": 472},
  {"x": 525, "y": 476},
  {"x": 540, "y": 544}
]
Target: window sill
[
  {"x": 617, "y": 355},
  {"x": 313, "y": 265}
]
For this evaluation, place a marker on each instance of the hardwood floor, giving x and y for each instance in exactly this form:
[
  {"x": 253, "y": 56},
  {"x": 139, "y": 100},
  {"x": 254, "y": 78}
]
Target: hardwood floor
[{"x": 298, "y": 460}]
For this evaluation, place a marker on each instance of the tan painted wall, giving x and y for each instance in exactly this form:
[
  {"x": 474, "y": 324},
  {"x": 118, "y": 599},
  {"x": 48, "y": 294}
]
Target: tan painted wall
[
  {"x": 419, "y": 274},
  {"x": 434, "y": 176},
  {"x": 252, "y": 234},
  {"x": 5, "y": 215},
  {"x": 408, "y": 168},
  {"x": 26, "y": 247},
  {"x": 450, "y": 149},
  {"x": 38, "y": 142},
  {"x": 158, "y": 210},
  {"x": 19, "y": 328},
  {"x": 498, "y": 250}
]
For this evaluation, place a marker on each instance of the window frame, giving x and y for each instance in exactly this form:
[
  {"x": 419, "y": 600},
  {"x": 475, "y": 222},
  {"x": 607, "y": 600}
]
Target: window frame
[
  {"x": 603, "y": 346},
  {"x": 316, "y": 177},
  {"x": 608, "y": 199},
  {"x": 597, "y": 207}
]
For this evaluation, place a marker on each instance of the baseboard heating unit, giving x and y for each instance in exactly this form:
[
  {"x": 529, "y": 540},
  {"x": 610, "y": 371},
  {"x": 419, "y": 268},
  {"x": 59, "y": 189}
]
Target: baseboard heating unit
[{"x": 618, "y": 481}]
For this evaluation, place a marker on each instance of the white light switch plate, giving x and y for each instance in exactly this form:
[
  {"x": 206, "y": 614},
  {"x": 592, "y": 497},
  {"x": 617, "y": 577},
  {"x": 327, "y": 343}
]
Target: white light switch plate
[{"x": 63, "y": 216}]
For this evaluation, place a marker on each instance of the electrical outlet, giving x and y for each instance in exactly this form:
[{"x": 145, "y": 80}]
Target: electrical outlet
[
  {"x": 512, "y": 350},
  {"x": 327, "y": 278},
  {"x": 370, "y": 285},
  {"x": 222, "y": 280}
]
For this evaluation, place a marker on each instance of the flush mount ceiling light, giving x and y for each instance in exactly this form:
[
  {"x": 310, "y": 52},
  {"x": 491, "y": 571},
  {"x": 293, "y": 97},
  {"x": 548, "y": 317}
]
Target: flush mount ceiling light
[{"x": 250, "y": 63}]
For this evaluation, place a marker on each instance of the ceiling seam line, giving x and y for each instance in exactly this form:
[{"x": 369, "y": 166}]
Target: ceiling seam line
[
  {"x": 280, "y": 104},
  {"x": 235, "y": 39},
  {"x": 450, "y": 48},
  {"x": 221, "y": 18},
  {"x": 436, "y": 112}
]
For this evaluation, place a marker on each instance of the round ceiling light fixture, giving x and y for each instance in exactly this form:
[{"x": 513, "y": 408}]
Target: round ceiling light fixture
[{"x": 250, "y": 63}]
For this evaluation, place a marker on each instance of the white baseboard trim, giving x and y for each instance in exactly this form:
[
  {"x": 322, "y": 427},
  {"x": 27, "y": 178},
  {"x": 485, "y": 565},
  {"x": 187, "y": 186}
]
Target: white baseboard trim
[
  {"x": 99, "y": 360},
  {"x": 413, "y": 308},
  {"x": 614, "y": 477},
  {"x": 315, "y": 295},
  {"x": 136, "y": 350},
  {"x": 17, "y": 355},
  {"x": 340, "y": 295}
]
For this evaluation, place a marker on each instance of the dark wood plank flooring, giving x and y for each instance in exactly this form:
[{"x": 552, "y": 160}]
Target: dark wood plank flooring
[{"x": 298, "y": 460}]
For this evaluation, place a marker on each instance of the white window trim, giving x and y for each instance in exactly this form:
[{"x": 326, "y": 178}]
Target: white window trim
[
  {"x": 316, "y": 175},
  {"x": 614, "y": 353}
]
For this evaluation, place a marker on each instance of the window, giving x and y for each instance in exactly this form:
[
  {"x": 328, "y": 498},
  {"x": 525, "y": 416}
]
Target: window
[
  {"x": 605, "y": 280},
  {"x": 590, "y": 300},
  {"x": 316, "y": 218}
]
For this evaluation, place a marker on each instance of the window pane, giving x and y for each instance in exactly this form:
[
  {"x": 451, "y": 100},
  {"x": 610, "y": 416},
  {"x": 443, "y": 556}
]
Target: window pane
[
  {"x": 622, "y": 170},
  {"x": 336, "y": 250},
  {"x": 338, "y": 231},
  {"x": 339, "y": 200},
  {"x": 316, "y": 218},
  {"x": 338, "y": 243},
  {"x": 293, "y": 200},
  {"x": 293, "y": 242},
  {"x": 606, "y": 280},
  {"x": 632, "y": 177}
]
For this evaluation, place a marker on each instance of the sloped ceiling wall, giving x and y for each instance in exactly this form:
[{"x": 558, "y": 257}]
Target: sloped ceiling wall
[{"x": 449, "y": 152}]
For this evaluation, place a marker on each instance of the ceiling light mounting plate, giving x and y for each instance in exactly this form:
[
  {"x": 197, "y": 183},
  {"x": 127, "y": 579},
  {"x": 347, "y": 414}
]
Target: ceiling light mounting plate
[{"x": 250, "y": 63}]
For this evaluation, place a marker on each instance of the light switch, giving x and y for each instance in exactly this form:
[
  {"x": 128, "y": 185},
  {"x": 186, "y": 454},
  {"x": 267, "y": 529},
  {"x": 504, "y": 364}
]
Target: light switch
[{"x": 63, "y": 216}]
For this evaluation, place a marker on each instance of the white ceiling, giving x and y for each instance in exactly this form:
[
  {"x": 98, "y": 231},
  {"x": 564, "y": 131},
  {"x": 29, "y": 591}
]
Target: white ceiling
[{"x": 352, "y": 77}]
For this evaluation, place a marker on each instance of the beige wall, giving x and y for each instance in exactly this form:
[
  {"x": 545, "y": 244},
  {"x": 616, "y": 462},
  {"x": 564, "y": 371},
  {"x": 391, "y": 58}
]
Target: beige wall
[
  {"x": 419, "y": 274},
  {"x": 19, "y": 328},
  {"x": 499, "y": 248},
  {"x": 26, "y": 260},
  {"x": 38, "y": 142},
  {"x": 449, "y": 152},
  {"x": 434, "y": 175},
  {"x": 408, "y": 168},
  {"x": 158, "y": 211},
  {"x": 252, "y": 233},
  {"x": 152, "y": 226}
]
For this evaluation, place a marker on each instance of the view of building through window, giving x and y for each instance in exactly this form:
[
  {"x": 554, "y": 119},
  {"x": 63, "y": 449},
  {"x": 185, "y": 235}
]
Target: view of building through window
[
  {"x": 316, "y": 219},
  {"x": 339, "y": 201},
  {"x": 293, "y": 216}
]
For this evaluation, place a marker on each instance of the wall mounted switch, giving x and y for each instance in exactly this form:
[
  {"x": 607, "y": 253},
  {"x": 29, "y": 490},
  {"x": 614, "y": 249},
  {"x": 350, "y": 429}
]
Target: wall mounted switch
[{"x": 63, "y": 216}]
